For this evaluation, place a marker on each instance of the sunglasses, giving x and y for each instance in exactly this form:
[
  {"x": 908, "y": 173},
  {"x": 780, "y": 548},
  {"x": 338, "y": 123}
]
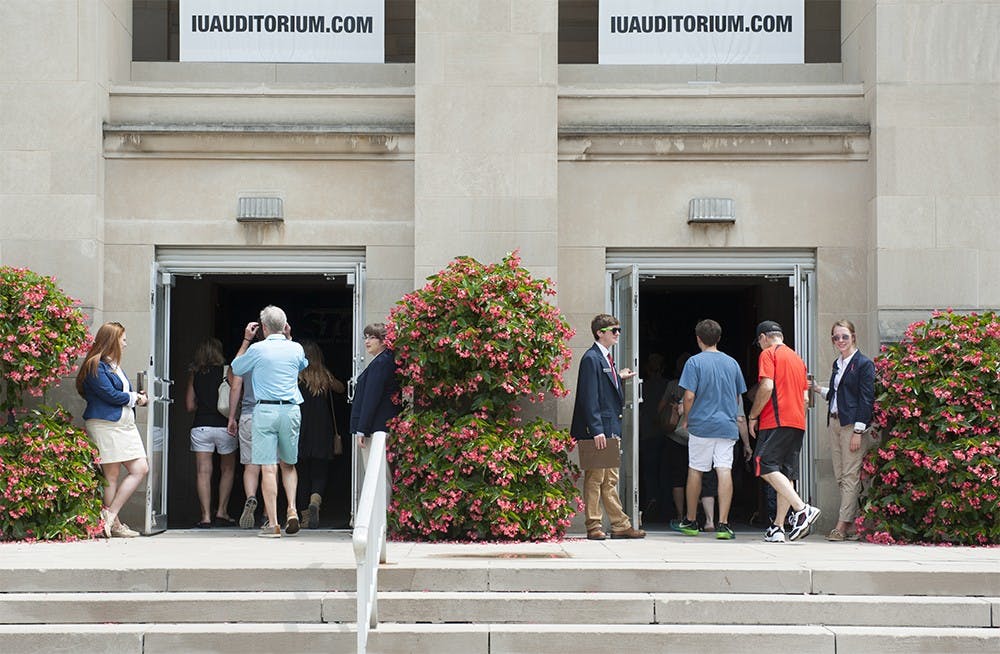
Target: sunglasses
[
  {"x": 840, "y": 337},
  {"x": 613, "y": 330}
]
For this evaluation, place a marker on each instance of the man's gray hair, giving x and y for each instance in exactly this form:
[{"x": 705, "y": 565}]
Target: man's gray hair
[{"x": 273, "y": 318}]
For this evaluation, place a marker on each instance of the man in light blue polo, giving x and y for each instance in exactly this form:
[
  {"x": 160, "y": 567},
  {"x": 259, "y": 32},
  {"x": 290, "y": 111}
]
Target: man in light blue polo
[{"x": 275, "y": 362}]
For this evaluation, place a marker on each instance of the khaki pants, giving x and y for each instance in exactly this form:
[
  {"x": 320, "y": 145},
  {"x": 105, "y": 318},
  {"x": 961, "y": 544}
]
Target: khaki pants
[
  {"x": 601, "y": 485},
  {"x": 847, "y": 467}
]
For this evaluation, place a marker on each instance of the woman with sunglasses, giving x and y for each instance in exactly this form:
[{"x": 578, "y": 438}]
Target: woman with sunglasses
[{"x": 851, "y": 399}]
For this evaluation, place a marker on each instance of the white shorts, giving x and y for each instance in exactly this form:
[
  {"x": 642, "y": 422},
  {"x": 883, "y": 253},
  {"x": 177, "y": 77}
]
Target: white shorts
[
  {"x": 707, "y": 453},
  {"x": 210, "y": 439}
]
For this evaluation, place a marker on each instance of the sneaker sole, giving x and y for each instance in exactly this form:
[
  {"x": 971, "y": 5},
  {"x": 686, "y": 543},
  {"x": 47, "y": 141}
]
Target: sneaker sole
[
  {"x": 246, "y": 518},
  {"x": 724, "y": 536},
  {"x": 292, "y": 525},
  {"x": 806, "y": 529},
  {"x": 313, "y": 516}
]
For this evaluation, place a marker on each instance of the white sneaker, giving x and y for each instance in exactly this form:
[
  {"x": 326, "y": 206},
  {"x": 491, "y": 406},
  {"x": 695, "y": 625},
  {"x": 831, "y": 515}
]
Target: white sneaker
[
  {"x": 802, "y": 522},
  {"x": 774, "y": 534},
  {"x": 247, "y": 517},
  {"x": 122, "y": 530}
]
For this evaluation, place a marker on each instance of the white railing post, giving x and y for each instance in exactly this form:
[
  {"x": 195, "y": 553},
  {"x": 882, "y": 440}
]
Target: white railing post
[{"x": 369, "y": 538}]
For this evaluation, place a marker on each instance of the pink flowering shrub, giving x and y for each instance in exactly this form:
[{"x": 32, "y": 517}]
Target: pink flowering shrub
[
  {"x": 469, "y": 345},
  {"x": 42, "y": 334},
  {"x": 48, "y": 485},
  {"x": 933, "y": 479}
]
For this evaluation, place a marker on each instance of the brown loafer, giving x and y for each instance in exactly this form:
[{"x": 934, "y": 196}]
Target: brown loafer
[
  {"x": 629, "y": 533},
  {"x": 596, "y": 534}
]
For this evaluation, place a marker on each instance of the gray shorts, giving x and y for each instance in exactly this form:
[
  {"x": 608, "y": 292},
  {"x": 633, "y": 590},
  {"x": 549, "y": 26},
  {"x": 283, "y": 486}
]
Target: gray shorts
[{"x": 246, "y": 438}]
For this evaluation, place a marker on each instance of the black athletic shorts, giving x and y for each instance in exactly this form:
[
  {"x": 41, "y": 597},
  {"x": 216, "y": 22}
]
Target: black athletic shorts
[{"x": 778, "y": 451}]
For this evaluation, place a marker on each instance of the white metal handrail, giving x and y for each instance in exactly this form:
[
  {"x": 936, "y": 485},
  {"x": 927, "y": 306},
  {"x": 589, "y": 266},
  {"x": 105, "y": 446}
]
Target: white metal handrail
[{"x": 369, "y": 537}]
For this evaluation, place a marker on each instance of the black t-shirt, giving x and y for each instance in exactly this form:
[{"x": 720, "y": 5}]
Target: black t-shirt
[{"x": 206, "y": 392}]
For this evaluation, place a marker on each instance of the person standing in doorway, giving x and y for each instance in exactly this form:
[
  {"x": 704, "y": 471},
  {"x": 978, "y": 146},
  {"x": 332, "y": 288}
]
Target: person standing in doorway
[
  {"x": 597, "y": 416},
  {"x": 377, "y": 385},
  {"x": 318, "y": 434},
  {"x": 778, "y": 415},
  {"x": 275, "y": 363},
  {"x": 209, "y": 433},
  {"x": 713, "y": 387},
  {"x": 109, "y": 419},
  {"x": 652, "y": 440},
  {"x": 241, "y": 405},
  {"x": 851, "y": 402}
]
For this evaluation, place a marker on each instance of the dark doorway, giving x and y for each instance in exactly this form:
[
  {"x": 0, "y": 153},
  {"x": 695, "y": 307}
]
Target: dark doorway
[
  {"x": 318, "y": 308},
  {"x": 669, "y": 309}
]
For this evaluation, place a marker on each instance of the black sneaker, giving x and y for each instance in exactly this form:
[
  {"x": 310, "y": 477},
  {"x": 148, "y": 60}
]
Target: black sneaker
[
  {"x": 689, "y": 528},
  {"x": 802, "y": 522}
]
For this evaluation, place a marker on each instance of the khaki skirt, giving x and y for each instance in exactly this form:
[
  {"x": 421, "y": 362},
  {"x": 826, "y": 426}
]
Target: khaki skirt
[{"x": 116, "y": 441}]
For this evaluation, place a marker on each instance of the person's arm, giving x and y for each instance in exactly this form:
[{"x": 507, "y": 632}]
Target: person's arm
[
  {"x": 866, "y": 395},
  {"x": 688, "y": 402},
  {"x": 241, "y": 363},
  {"x": 190, "y": 401},
  {"x": 235, "y": 399},
  {"x": 591, "y": 371},
  {"x": 337, "y": 386},
  {"x": 102, "y": 387},
  {"x": 764, "y": 389}
]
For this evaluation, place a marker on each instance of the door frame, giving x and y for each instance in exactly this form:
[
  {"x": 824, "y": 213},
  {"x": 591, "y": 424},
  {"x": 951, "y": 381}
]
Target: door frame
[
  {"x": 170, "y": 262},
  {"x": 797, "y": 266}
]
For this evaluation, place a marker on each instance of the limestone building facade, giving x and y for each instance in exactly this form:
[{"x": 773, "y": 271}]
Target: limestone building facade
[{"x": 864, "y": 183}]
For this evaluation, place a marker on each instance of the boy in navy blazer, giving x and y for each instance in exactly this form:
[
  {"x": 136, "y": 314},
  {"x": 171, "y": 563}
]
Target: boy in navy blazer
[{"x": 597, "y": 416}]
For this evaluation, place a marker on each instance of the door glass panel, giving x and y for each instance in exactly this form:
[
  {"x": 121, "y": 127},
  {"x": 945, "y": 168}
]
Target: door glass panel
[
  {"x": 159, "y": 396},
  {"x": 625, "y": 304}
]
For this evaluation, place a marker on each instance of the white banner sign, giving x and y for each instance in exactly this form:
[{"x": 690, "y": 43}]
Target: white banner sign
[
  {"x": 701, "y": 32},
  {"x": 305, "y": 31}
]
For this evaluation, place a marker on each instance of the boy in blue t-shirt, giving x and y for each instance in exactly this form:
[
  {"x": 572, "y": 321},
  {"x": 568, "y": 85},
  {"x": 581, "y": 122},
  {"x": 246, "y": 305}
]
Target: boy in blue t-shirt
[{"x": 713, "y": 385}]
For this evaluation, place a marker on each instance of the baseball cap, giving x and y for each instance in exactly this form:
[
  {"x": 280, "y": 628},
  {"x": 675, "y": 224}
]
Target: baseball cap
[{"x": 768, "y": 326}]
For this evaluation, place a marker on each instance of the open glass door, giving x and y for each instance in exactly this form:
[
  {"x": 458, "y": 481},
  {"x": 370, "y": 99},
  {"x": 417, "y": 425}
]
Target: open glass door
[
  {"x": 803, "y": 283},
  {"x": 158, "y": 391},
  {"x": 625, "y": 307},
  {"x": 358, "y": 364}
]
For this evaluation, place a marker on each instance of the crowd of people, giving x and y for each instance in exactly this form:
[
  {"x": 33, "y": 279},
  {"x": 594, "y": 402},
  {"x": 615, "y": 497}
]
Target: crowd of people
[{"x": 274, "y": 404}]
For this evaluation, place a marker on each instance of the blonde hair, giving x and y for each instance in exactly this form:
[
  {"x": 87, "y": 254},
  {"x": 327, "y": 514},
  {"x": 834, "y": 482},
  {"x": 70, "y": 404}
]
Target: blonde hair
[
  {"x": 849, "y": 326},
  {"x": 207, "y": 354},
  {"x": 316, "y": 378},
  {"x": 107, "y": 345}
]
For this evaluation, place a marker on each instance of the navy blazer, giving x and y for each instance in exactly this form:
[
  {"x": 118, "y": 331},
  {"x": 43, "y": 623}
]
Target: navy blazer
[
  {"x": 105, "y": 394},
  {"x": 377, "y": 384},
  {"x": 856, "y": 394},
  {"x": 599, "y": 401}
]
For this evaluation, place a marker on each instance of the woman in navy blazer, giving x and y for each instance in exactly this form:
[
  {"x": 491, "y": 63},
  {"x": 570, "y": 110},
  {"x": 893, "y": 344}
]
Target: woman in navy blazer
[
  {"x": 851, "y": 398},
  {"x": 110, "y": 422},
  {"x": 373, "y": 406}
]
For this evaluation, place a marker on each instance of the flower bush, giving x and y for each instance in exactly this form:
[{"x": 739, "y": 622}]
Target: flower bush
[
  {"x": 48, "y": 486},
  {"x": 49, "y": 489},
  {"x": 42, "y": 334},
  {"x": 469, "y": 345},
  {"x": 934, "y": 477}
]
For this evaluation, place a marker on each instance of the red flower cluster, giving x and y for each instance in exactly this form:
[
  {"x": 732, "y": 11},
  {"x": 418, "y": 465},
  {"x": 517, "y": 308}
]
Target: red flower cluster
[
  {"x": 935, "y": 477},
  {"x": 469, "y": 345}
]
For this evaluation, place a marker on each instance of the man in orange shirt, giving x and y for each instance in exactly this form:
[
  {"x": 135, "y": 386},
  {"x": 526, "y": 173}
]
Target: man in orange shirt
[{"x": 779, "y": 415}]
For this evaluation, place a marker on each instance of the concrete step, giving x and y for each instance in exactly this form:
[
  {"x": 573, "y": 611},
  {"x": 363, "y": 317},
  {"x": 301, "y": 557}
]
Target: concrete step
[
  {"x": 945, "y": 579},
  {"x": 502, "y": 607},
  {"x": 491, "y": 639}
]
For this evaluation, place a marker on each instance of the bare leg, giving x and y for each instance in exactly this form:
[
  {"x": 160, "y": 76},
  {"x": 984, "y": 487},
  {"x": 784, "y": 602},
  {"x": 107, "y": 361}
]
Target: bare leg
[
  {"x": 227, "y": 470},
  {"x": 725, "y": 476},
  {"x": 203, "y": 482},
  {"x": 269, "y": 489},
  {"x": 251, "y": 477},
  {"x": 290, "y": 480},
  {"x": 137, "y": 469},
  {"x": 785, "y": 491},
  {"x": 693, "y": 491},
  {"x": 708, "y": 503}
]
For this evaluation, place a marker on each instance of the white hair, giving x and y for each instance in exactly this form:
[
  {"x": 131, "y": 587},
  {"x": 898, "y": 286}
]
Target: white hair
[{"x": 273, "y": 319}]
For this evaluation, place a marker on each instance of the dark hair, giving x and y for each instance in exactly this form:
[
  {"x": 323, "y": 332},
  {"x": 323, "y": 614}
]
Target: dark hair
[
  {"x": 601, "y": 321},
  {"x": 708, "y": 331},
  {"x": 376, "y": 329},
  {"x": 207, "y": 354}
]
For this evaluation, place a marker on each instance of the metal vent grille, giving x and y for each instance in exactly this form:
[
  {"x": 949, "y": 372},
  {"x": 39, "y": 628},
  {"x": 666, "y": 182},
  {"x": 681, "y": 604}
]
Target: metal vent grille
[
  {"x": 260, "y": 209},
  {"x": 711, "y": 210}
]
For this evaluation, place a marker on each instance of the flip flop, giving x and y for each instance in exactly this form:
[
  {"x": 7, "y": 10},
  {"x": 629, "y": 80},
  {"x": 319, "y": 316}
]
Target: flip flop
[
  {"x": 203, "y": 525},
  {"x": 225, "y": 521}
]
